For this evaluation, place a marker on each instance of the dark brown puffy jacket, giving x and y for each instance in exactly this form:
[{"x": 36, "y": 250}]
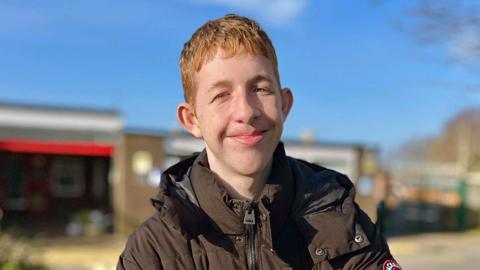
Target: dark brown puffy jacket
[{"x": 305, "y": 218}]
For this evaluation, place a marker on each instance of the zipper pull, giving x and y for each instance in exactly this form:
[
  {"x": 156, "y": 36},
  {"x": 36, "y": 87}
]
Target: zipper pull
[{"x": 249, "y": 217}]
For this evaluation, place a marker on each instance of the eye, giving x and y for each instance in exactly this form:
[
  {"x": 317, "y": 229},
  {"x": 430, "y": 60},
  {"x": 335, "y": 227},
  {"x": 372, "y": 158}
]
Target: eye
[
  {"x": 263, "y": 90},
  {"x": 219, "y": 96}
]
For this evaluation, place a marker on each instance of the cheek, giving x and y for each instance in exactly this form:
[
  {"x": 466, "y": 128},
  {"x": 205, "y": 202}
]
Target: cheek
[
  {"x": 212, "y": 121},
  {"x": 273, "y": 110}
]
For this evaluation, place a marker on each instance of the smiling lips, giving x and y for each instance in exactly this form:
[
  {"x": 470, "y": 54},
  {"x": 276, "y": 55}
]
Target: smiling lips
[{"x": 250, "y": 138}]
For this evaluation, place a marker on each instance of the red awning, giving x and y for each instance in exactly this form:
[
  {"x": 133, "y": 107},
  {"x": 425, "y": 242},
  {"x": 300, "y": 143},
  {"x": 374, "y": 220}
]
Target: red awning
[{"x": 58, "y": 148}]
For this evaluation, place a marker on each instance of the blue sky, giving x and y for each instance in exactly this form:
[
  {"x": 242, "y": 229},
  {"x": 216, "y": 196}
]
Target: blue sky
[{"x": 356, "y": 78}]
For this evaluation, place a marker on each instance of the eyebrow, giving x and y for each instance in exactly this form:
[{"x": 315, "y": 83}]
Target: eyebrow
[
  {"x": 259, "y": 78},
  {"x": 227, "y": 83},
  {"x": 219, "y": 84}
]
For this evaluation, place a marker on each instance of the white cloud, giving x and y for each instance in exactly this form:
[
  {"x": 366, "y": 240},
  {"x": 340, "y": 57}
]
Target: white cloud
[
  {"x": 275, "y": 11},
  {"x": 465, "y": 46}
]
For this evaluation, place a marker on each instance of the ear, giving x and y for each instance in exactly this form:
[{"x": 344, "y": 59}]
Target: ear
[
  {"x": 186, "y": 116},
  {"x": 287, "y": 101}
]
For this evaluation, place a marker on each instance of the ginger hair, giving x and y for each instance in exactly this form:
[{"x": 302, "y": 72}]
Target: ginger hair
[{"x": 231, "y": 33}]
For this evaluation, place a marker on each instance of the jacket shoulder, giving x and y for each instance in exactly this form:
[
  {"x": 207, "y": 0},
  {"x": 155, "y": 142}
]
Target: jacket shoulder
[
  {"x": 314, "y": 182},
  {"x": 331, "y": 221},
  {"x": 313, "y": 174}
]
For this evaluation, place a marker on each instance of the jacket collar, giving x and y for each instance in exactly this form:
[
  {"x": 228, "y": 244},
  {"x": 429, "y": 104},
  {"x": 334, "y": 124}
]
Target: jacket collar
[
  {"x": 176, "y": 202},
  {"x": 212, "y": 197},
  {"x": 275, "y": 199}
]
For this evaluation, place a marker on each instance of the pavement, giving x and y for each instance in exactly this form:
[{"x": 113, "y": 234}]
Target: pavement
[
  {"x": 80, "y": 253},
  {"x": 437, "y": 251},
  {"x": 424, "y": 251}
]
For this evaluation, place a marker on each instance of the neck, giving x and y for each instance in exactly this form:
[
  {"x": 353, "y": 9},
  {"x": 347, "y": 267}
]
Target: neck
[{"x": 241, "y": 186}]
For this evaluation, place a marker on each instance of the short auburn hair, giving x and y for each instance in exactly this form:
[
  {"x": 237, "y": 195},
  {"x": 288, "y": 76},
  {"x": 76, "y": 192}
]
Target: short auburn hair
[{"x": 231, "y": 33}]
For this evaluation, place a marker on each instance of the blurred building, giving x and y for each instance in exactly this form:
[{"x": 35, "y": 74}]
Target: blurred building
[
  {"x": 138, "y": 167},
  {"x": 437, "y": 179},
  {"x": 81, "y": 172},
  {"x": 54, "y": 162}
]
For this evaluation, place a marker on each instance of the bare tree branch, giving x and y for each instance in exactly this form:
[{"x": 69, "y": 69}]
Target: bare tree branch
[{"x": 454, "y": 23}]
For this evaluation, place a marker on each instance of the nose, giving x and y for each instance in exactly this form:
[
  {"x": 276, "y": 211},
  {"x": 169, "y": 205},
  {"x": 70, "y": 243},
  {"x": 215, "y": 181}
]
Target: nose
[{"x": 245, "y": 108}]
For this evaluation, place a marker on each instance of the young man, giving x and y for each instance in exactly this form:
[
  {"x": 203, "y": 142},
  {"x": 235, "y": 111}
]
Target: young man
[{"x": 242, "y": 203}]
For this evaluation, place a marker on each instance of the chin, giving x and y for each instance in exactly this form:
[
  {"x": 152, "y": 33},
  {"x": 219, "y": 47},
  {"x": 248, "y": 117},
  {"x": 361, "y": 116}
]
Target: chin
[{"x": 250, "y": 164}]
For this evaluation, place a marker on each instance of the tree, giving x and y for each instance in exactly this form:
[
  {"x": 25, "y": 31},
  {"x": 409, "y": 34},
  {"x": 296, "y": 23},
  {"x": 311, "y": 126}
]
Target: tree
[
  {"x": 460, "y": 140},
  {"x": 452, "y": 23}
]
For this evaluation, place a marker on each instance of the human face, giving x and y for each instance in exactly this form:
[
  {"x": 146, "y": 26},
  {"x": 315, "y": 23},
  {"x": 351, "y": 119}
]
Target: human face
[{"x": 239, "y": 112}]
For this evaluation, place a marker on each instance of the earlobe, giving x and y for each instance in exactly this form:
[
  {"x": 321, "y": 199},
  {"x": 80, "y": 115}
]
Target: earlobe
[
  {"x": 287, "y": 102},
  {"x": 187, "y": 117}
]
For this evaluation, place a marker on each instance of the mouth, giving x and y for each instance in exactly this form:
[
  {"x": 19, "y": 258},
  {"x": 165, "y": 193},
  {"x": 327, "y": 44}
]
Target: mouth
[{"x": 250, "y": 138}]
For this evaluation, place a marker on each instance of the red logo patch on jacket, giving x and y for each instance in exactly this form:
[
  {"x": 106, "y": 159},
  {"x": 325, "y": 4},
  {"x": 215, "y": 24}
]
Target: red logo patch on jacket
[{"x": 391, "y": 265}]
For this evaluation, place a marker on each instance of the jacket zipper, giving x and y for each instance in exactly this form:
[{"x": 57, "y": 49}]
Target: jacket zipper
[{"x": 250, "y": 223}]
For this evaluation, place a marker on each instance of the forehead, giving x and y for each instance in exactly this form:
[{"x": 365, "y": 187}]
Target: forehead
[{"x": 233, "y": 67}]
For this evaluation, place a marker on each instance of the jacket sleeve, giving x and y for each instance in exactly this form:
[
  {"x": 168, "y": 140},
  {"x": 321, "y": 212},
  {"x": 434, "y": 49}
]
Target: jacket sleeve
[
  {"x": 126, "y": 264},
  {"x": 127, "y": 261},
  {"x": 374, "y": 256},
  {"x": 140, "y": 252}
]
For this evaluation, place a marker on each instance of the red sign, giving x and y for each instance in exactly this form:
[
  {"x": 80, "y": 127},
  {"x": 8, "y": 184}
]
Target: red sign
[{"x": 60, "y": 148}]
